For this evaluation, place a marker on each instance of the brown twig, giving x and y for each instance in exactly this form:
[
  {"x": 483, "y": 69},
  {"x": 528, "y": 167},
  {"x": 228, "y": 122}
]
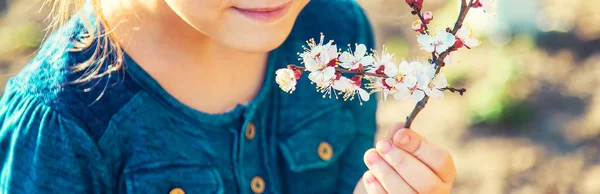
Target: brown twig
[
  {"x": 464, "y": 9},
  {"x": 340, "y": 70},
  {"x": 455, "y": 90},
  {"x": 439, "y": 61}
]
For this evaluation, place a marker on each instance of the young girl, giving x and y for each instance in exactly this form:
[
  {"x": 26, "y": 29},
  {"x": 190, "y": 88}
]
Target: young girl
[{"x": 178, "y": 96}]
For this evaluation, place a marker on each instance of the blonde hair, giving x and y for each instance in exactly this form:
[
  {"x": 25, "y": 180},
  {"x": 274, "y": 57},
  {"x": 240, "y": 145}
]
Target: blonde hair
[{"x": 98, "y": 32}]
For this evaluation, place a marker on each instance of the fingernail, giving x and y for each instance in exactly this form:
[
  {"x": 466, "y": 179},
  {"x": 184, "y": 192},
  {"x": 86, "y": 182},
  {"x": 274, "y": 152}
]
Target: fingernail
[
  {"x": 372, "y": 158},
  {"x": 384, "y": 146},
  {"x": 401, "y": 138}
]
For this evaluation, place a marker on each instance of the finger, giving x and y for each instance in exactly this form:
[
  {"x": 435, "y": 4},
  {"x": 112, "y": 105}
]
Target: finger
[
  {"x": 414, "y": 172},
  {"x": 435, "y": 157},
  {"x": 385, "y": 174},
  {"x": 372, "y": 185},
  {"x": 395, "y": 128}
]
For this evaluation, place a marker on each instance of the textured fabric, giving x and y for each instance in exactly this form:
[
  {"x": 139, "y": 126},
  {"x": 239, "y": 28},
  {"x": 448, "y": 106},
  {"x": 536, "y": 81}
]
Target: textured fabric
[{"x": 136, "y": 138}]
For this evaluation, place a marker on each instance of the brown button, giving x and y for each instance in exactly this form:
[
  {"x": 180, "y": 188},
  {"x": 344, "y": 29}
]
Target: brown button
[
  {"x": 257, "y": 184},
  {"x": 325, "y": 151},
  {"x": 250, "y": 131},
  {"x": 177, "y": 191}
]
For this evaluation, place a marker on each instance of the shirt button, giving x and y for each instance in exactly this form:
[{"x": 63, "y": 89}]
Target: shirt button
[
  {"x": 250, "y": 131},
  {"x": 177, "y": 191},
  {"x": 257, "y": 184},
  {"x": 325, "y": 151}
]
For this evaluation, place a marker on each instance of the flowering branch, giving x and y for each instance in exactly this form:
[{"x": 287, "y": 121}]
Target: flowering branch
[
  {"x": 418, "y": 79},
  {"x": 341, "y": 70},
  {"x": 439, "y": 61}
]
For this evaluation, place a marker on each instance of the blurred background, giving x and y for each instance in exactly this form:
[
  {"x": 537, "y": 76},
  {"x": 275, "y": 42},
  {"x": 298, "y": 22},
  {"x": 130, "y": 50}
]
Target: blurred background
[{"x": 530, "y": 120}]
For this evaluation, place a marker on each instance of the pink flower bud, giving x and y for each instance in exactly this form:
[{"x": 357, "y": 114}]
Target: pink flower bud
[
  {"x": 459, "y": 43},
  {"x": 338, "y": 76},
  {"x": 357, "y": 80},
  {"x": 427, "y": 16},
  {"x": 333, "y": 62},
  {"x": 418, "y": 26},
  {"x": 380, "y": 70},
  {"x": 477, "y": 4},
  {"x": 297, "y": 73},
  {"x": 418, "y": 4},
  {"x": 360, "y": 68}
]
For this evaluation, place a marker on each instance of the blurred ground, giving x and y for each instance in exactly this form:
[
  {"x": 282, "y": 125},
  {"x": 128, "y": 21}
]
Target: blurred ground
[{"x": 530, "y": 121}]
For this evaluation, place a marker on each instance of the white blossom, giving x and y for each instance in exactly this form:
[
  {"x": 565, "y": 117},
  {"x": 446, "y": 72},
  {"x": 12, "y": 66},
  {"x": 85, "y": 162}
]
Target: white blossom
[
  {"x": 317, "y": 59},
  {"x": 286, "y": 79},
  {"x": 353, "y": 60},
  {"x": 464, "y": 34},
  {"x": 433, "y": 88},
  {"x": 489, "y": 6},
  {"x": 349, "y": 89},
  {"x": 322, "y": 77},
  {"x": 381, "y": 59},
  {"x": 437, "y": 43}
]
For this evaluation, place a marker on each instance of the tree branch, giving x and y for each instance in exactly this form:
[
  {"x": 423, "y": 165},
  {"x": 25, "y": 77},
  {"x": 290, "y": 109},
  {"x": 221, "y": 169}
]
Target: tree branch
[
  {"x": 455, "y": 90},
  {"x": 418, "y": 107},
  {"x": 418, "y": 13},
  {"x": 340, "y": 70},
  {"x": 439, "y": 61}
]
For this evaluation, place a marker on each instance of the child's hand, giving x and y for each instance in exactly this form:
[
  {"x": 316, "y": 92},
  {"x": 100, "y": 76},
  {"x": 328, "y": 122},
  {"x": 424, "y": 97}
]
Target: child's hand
[{"x": 405, "y": 163}]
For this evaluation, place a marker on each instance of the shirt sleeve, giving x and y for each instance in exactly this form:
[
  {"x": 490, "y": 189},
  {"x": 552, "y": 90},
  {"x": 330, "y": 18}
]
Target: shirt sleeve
[
  {"x": 42, "y": 151},
  {"x": 364, "y": 118}
]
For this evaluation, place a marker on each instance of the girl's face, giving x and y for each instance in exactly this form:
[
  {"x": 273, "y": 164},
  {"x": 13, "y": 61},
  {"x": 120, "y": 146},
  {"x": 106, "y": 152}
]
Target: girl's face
[{"x": 245, "y": 25}]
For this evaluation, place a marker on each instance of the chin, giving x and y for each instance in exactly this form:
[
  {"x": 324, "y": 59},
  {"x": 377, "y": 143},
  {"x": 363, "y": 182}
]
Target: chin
[
  {"x": 257, "y": 46},
  {"x": 256, "y": 41}
]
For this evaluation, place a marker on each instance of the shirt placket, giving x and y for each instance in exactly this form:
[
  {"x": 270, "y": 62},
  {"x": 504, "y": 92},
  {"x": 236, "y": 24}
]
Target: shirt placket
[{"x": 253, "y": 176}]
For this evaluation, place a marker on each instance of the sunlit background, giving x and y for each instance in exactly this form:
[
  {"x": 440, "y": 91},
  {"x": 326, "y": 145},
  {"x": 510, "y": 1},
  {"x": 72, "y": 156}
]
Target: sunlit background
[{"x": 530, "y": 121}]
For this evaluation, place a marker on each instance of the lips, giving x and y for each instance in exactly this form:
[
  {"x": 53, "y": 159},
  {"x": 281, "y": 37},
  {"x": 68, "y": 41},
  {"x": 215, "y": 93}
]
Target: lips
[{"x": 264, "y": 13}]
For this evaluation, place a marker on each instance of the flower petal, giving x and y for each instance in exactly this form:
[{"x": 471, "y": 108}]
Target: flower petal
[
  {"x": 364, "y": 95},
  {"x": 332, "y": 52},
  {"x": 471, "y": 42},
  {"x": 402, "y": 94},
  {"x": 328, "y": 73},
  {"x": 316, "y": 77},
  {"x": 390, "y": 81},
  {"x": 409, "y": 81},
  {"x": 391, "y": 70},
  {"x": 406, "y": 68},
  {"x": 418, "y": 95},
  {"x": 310, "y": 63},
  {"x": 440, "y": 81},
  {"x": 346, "y": 57},
  {"x": 436, "y": 93},
  {"x": 343, "y": 84},
  {"x": 361, "y": 50},
  {"x": 423, "y": 82},
  {"x": 446, "y": 41},
  {"x": 450, "y": 58},
  {"x": 367, "y": 61},
  {"x": 426, "y": 42}
]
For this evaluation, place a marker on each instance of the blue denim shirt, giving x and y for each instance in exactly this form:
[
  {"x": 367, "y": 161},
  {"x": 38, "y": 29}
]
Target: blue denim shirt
[{"x": 136, "y": 138}]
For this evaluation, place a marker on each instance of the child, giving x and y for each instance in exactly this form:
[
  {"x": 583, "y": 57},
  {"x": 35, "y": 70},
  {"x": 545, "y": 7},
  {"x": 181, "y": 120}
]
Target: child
[{"x": 178, "y": 96}]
